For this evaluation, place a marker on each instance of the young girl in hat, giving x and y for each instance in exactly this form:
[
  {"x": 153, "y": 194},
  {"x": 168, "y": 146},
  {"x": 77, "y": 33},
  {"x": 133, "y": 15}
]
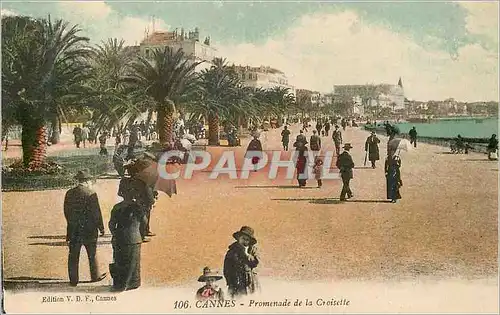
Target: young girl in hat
[
  {"x": 318, "y": 170},
  {"x": 210, "y": 291}
]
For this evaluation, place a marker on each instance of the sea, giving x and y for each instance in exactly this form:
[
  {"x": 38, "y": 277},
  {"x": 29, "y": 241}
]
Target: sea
[{"x": 466, "y": 127}]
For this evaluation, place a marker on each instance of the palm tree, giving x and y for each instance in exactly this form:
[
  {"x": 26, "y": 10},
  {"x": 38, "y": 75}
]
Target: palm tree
[
  {"x": 281, "y": 101},
  {"x": 108, "y": 96},
  {"x": 221, "y": 96},
  {"x": 42, "y": 67},
  {"x": 165, "y": 79}
]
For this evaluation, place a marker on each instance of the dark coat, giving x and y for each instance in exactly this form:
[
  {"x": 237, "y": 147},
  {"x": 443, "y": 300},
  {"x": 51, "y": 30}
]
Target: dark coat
[
  {"x": 145, "y": 194},
  {"x": 393, "y": 177},
  {"x": 337, "y": 136},
  {"x": 315, "y": 143},
  {"x": 77, "y": 133},
  {"x": 256, "y": 146},
  {"x": 124, "y": 224},
  {"x": 371, "y": 145},
  {"x": 413, "y": 133},
  {"x": 301, "y": 138},
  {"x": 83, "y": 215},
  {"x": 285, "y": 136},
  {"x": 327, "y": 126},
  {"x": 239, "y": 270},
  {"x": 345, "y": 164},
  {"x": 493, "y": 144}
]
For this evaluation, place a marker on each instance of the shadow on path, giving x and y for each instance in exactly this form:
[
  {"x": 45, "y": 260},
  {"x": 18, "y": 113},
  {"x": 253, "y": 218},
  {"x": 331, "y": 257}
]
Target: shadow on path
[
  {"x": 323, "y": 201},
  {"x": 278, "y": 187},
  {"x": 52, "y": 285},
  {"x": 369, "y": 200},
  {"x": 49, "y": 237},
  {"x": 447, "y": 152},
  {"x": 63, "y": 243}
]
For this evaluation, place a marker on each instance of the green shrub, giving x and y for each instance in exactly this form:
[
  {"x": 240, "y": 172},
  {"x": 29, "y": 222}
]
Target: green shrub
[{"x": 57, "y": 173}]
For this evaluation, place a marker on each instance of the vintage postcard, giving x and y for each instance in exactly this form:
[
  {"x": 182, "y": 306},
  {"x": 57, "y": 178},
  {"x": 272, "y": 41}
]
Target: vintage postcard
[{"x": 249, "y": 157}]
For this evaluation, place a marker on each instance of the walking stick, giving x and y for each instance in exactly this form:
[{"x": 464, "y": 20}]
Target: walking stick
[{"x": 366, "y": 155}]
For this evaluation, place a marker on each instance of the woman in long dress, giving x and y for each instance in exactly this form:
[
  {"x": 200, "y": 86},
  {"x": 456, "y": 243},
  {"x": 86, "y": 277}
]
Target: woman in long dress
[
  {"x": 301, "y": 163},
  {"x": 255, "y": 146},
  {"x": 125, "y": 222},
  {"x": 393, "y": 176}
]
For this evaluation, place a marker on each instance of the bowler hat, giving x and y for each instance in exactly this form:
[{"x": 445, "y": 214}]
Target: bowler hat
[
  {"x": 83, "y": 174},
  {"x": 248, "y": 231},
  {"x": 208, "y": 273},
  {"x": 347, "y": 146}
]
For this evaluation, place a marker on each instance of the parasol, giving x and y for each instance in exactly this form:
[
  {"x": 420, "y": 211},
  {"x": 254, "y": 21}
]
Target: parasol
[
  {"x": 399, "y": 145},
  {"x": 147, "y": 171},
  {"x": 190, "y": 137},
  {"x": 186, "y": 144}
]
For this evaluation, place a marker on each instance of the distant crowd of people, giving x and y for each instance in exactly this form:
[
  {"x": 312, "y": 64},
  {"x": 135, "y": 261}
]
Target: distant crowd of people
[{"x": 344, "y": 161}]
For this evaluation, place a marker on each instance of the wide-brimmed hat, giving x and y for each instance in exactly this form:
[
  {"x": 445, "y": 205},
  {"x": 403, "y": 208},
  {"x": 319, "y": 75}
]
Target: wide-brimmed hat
[
  {"x": 347, "y": 146},
  {"x": 83, "y": 174},
  {"x": 248, "y": 231},
  {"x": 208, "y": 273}
]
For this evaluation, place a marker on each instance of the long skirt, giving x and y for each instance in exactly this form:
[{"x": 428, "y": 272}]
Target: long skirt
[
  {"x": 127, "y": 266},
  {"x": 392, "y": 181},
  {"x": 301, "y": 171}
]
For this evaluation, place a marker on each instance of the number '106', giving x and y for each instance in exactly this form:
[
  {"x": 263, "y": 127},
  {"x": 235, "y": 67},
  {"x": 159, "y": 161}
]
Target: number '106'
[{"x": 181, "y": 304}]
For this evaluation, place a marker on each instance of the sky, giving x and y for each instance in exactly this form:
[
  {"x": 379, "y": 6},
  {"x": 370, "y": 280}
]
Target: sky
[{"x": 439, "y": 49}]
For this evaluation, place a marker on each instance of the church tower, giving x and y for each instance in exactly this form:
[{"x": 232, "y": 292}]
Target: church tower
[{"x": 400, "y": 83}]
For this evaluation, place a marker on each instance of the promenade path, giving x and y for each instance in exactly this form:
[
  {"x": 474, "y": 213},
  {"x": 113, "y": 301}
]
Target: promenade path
[{"x": 444, "y": 227}]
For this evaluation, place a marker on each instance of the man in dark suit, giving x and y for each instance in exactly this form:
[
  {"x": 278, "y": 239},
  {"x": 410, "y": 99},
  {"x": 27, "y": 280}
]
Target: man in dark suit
[
  {"x": 337, "y": 139},
  {"x": 84, "y": 219},
  {"x": 315, "y": 142},
  {"x": 345, "y": 164}
]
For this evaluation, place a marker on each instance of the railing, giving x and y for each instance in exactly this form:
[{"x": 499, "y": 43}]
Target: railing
[{"x": 479, "y": 145}]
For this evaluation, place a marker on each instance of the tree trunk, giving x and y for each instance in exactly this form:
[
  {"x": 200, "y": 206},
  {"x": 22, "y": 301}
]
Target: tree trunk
[
  {"x": 34, "y": 144},
  {"x": 165, "y": 125},
  {"x": 213, "y": 129},
  {"x": 55, "y": 137},
  {"x": 148, "y": 119}
]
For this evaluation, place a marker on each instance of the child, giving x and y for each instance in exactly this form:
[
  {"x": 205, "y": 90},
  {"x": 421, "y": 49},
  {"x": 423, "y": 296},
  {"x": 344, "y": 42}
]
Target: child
[
  {"x": 210, "y": 291},
  {"x": 240, "y": 263},
  {"x": 318, "y": 170}
]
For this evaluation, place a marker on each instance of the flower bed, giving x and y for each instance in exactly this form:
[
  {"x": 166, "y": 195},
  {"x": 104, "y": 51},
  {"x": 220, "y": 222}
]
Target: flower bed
[{"x": 56, "y": 173}]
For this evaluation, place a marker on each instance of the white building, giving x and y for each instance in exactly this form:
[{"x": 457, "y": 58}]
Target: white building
[
  {"x": 189, "y": 42},
  {"x": 263, "y": 77},
  {"x": 383, "y": 95}
]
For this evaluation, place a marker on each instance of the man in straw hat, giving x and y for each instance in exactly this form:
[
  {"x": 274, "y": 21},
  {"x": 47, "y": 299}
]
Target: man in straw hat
[
  {"x": 210, "y": 291},
  {"x": 84, "y": 221},
  {"x": 239, "y": 264},
  {"x": 345, "y": 164}
]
